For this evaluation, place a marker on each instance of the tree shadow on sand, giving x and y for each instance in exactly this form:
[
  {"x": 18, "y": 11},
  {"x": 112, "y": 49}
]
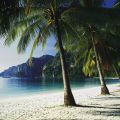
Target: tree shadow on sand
[
  {"x": 108, "y": 111},
  {"x": 108, "y": 98}
]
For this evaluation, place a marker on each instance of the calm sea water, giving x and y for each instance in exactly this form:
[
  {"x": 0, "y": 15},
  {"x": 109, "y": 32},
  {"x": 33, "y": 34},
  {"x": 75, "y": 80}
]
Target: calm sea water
[{"x": 23, "y": 86}]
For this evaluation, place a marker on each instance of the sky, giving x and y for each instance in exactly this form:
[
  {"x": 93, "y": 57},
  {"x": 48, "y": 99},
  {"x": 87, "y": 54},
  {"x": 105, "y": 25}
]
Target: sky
[
  {"x": 9, "y": 56},
  {"x": 109, "y": 3}
]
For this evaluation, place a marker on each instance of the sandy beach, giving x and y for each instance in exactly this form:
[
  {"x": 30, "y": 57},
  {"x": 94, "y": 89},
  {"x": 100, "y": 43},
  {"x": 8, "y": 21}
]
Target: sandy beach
[{"x": 91, "y": 106}]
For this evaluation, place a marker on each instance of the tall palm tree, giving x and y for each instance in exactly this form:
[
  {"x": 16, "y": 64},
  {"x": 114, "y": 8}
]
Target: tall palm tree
[
  {"x": 104, "y": 89},
  {"x": 88, "y": 46},
  {"x": 38, "y": 25},
  {"x": 90, "y": 4}
]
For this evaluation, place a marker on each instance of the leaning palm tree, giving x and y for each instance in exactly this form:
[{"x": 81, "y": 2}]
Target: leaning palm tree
[
  {"x": 89, "y": 47},
  {"x": 95, "y": 41},
  {"x": 92, "y": 33},
  {"x": 38, "y": 25}
]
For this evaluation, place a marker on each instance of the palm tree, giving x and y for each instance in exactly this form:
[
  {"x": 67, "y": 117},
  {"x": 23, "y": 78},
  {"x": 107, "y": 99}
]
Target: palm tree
[
  {"x": 87, "y": 50},
  {"x": 106, "y": 48},
  {"x": 104, "y": 89},
  {"x": 38, "y": 25}
]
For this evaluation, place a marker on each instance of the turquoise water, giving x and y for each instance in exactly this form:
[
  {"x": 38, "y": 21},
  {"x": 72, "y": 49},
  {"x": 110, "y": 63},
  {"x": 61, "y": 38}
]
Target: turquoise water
[{"x": 24, "y": 86}]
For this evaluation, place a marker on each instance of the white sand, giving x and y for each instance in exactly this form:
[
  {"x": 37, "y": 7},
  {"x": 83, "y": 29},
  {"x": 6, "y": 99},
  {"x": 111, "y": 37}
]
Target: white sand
[{"x": 50, "y": 106}]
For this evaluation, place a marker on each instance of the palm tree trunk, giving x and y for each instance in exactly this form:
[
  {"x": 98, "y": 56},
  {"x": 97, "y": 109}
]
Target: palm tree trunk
[
  {"x": 116, "y": 70},
  {"x": 104, "y": 89},
  {"x": 68, "y": 96}
]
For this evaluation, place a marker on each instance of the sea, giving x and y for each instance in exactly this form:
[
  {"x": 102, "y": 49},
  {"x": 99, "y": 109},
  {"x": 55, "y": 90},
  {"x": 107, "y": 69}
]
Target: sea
[{"x": 12, "y": 87}]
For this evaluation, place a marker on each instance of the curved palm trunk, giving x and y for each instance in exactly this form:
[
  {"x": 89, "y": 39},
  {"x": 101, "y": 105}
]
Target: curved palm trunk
[
  {"x": 104, "y": 89},
  {"x": 68, "y": 96}
]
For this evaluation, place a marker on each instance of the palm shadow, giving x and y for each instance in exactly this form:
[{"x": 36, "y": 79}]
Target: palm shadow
[
  {"x": 91, "y": 106},
  {"x": 108, "y": 98},
  {"x": 97, "y": 109}
]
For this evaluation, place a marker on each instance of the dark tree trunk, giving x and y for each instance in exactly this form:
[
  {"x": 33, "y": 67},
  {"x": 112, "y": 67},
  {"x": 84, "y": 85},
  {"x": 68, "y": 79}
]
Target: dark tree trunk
[
  {"x": 104, "y": 89},
  {"x": 116, "y": 70},
  {"x": 68, "y": 96}
]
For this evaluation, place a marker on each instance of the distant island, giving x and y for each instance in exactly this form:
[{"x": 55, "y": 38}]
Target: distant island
[{"x": 25, "y": 70}]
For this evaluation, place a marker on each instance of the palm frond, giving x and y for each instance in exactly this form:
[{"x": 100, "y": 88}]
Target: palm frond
[
  {"x": 89, "y": 65},
  {"x": 41, "y": 38},
  {"x": 23, "y": 28},
  {"x": 28, "y": 35},
  {"x": 73, "y": 33}
]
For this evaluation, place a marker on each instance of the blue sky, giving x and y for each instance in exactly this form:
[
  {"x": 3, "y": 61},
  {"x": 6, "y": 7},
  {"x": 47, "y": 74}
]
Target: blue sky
[
  {"x": 9, "y": 56},
  {"x": 109, "y": 3}
]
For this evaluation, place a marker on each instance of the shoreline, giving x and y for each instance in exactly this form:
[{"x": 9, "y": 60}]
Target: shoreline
[
  {"x": 83, "y": 93},
  {"x": 92, "y": 106}
]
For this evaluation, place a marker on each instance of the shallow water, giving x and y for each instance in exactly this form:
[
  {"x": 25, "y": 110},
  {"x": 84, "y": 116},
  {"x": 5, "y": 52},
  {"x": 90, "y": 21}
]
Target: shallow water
[{"x": 24, "y": 86}]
